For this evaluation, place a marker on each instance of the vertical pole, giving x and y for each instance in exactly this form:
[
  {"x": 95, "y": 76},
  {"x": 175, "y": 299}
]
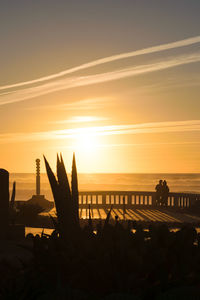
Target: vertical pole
[
  {"x": 153, "y": 199},
  {"x": 103, "y": 200},
  {"x": 129, "y": 200},
  {"x": 176, "y": 201},
  {"x": 114, "y": 200},
  {"x": 37, "y": 176},
  {"x": 124, "y": 207},
  {"x": 4, "y": 202}
]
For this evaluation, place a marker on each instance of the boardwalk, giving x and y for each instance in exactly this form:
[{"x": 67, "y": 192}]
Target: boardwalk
[
  {"x": 140, "y": 214},
  {"x": 144, "y": 214},
  {"x": 139, "y": 206}
]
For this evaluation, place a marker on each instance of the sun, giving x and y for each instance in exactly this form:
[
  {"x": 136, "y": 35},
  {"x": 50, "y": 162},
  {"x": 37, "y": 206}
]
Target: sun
[{"x": 86, "y": 143}]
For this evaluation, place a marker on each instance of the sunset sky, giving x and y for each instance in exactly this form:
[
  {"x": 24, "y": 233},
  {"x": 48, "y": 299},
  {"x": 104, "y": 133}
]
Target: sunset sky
[{"x": 116, "y": 81}]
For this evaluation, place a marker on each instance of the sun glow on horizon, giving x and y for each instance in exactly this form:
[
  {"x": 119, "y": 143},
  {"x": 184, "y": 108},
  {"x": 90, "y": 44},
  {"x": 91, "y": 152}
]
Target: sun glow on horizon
[{"x": 86, "y": 145}]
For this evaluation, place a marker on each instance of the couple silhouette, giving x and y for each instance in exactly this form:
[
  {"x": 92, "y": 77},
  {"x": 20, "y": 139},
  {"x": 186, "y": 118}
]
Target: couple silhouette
[{"x": 162, "y": 192}]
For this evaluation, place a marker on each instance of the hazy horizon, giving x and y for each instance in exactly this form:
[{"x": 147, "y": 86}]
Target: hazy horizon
[
  {"x": 26, "y": 183},
  {"x": 109, "y": 173}
]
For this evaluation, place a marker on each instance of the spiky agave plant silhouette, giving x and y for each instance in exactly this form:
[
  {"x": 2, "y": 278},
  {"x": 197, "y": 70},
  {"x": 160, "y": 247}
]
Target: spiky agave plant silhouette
[
  {"x": 12, "y": 199},
  {"x": 12, "y": 208},
  {"x": 66, "y": 199}
]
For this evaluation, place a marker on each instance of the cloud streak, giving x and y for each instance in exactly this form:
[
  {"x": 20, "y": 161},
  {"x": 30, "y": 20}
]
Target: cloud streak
[
  {"x": 124, "y": 129},
  {"x": 80, "y": 119},
  {"x": 86, "y": 104},
  {"x": 131, "y": 145},
  {"x": 149, "y": 50},
  {"x": 78, "y": 81}
]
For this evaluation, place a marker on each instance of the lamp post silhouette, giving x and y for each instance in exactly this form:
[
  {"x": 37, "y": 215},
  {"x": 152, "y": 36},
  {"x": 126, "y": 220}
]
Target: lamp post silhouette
[
  {"x": 38, "y": 198},
  {"x": 37, "y": 176}
]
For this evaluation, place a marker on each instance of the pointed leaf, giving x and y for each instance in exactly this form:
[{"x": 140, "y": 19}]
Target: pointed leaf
[
  {"x": 55, "y": 224},
  {"x": 65, "y": 193},
  {"x": 52, "y": 178},
  {"x": 74, "y": 188},
  {"x": 54, "y": 186},
  {"x": 12, "y": 200},
  {"x": 90, "y": 219},
  {"x": 108, "y": 217},
  {"x": 62, "y": 175}
]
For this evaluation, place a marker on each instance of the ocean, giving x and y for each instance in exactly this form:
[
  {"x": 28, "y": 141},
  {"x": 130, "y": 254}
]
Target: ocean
[{"x": 25, "y": 183}]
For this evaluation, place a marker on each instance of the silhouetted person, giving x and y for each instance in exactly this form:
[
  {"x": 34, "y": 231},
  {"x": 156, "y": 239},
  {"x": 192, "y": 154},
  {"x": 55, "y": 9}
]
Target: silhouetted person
[
  {"x": 165, "y": 193},
  {"x": 159, "y": 192}
]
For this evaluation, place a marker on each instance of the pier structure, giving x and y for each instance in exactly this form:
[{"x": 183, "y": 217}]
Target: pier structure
[
  {"x": 118, "y": 199},
  {"x": 140, "y": 206}
]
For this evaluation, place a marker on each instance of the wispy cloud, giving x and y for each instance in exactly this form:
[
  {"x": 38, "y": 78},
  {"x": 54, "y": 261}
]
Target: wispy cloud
[
  {"x": 75, "y": 133},
  {"x": 149, "y": 50},
  {"x": 85, "y": 104},
  {"x": 182, "y": 143},
  {"x": 170, "y": 83},
  {"x": 78, "y": 81},
  {"x": 80, "y": 119}
]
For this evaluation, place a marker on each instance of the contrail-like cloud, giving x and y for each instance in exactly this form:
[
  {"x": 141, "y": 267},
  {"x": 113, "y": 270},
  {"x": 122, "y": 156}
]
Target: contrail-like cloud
[
  {"x": 80, "y": 119},
  {"x": 78, "y": 81},
  {"x": 76, "y": 133},
  {"x": 149, "y": 50},
  {"x": 130, "y": 145},
  {"x": 85, "y": 105}
]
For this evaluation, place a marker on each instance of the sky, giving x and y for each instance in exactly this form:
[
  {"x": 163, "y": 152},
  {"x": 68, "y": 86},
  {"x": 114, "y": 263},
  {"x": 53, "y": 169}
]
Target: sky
[{"x": 115, "y": 81}]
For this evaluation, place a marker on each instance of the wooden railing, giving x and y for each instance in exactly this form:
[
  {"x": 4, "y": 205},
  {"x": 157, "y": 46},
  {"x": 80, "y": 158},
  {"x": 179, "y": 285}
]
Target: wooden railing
[{"x": 118, "y": 199}]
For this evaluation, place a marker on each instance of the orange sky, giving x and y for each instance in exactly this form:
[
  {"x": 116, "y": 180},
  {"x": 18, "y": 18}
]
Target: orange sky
[{"x": 122, "y": 94}]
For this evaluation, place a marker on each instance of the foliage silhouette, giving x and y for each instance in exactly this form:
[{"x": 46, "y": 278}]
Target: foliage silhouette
[
  {"x": 12, "y": 199},
  {"x": 66, "y": 199},
  {"x": 111, "y": 262}
]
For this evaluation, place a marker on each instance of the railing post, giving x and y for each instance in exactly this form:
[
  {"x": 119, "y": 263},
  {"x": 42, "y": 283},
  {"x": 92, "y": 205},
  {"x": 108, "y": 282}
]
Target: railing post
[
  {"x": 104, "y": 199},
  {"x": 129, "y": 199},
  {"x": 153, "y": 200},
  {"x": 175, "y": 201},
  {"x": 192, "y": 200}
]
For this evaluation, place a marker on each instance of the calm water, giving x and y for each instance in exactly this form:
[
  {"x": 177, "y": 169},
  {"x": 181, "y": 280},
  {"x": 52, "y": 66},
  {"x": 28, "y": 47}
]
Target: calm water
[{"x": 25, "y": 187}]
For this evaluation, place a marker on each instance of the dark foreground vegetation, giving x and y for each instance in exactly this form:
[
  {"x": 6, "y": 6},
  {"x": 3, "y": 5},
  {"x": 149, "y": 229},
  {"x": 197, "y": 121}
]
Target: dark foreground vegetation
[
  {"x": 140, "y": 265},
  {"x": 105, "y": 261}
]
